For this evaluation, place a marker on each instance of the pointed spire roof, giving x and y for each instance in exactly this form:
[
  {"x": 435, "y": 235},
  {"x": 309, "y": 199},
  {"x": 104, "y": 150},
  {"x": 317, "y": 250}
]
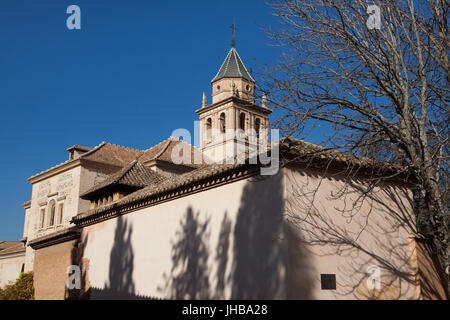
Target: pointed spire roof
[{"x": 233, "y": 67}]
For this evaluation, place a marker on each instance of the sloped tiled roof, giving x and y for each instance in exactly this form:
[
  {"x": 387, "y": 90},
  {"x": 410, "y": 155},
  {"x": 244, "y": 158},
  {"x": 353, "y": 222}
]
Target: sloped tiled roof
[
  {"x": 135, "y": 174},
  {"x": 8, "y": 247},
  {"x": 288, "y": 147},
  {"x": 163, "y": 151},
  {"x": 203, "y": 172},
  {"x": 233, "y": 67},
  {"x": 107, "y": 153},
  {"x": 6, "y": 244},
  {"x": 113, "y": 154}
]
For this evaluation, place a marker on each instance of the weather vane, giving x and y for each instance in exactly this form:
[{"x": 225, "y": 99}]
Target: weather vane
[{"x": 233, "y": 34}]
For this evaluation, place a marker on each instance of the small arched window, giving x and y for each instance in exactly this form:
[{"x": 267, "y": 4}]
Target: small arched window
[
  {"x": 52, "y": 210},
  {"x": 208, "y": 128},
  {"x": 60, "y": 213},
  {"x": 222, "y": 122},
  {"x": 242, "y": 121}
]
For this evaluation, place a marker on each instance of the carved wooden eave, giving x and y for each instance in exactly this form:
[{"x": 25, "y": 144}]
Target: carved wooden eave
[{"x": 55, "y": 238}]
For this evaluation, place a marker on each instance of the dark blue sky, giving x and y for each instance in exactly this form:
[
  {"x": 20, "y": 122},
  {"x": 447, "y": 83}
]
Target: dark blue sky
[{"x": 134, "y": 72}]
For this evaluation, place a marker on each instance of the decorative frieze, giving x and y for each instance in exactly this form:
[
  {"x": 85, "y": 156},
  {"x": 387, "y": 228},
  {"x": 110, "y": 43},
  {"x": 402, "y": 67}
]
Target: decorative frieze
[{"x": 55, "y": 238}]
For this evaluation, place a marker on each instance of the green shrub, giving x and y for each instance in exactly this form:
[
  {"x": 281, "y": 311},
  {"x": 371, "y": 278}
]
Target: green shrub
[{"x": 22, "y": 289}]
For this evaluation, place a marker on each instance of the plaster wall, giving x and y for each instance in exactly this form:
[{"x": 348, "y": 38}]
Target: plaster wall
[
  {"x": 226, "y": 242},
  {"x": 10, "y": 267},
  {"x": 337, "y": 227}
]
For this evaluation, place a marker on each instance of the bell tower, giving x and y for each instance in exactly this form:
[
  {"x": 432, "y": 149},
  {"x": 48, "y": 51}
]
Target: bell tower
[{"x": 232, "y": 124}]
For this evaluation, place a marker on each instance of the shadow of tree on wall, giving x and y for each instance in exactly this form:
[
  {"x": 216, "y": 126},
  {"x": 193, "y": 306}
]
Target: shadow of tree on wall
[
  {"x": 365, "y": 222},
  {"x": 120, "y": 284},
  {"x": 189, "y": 274},
  {"x": 429, "y": 272},
  {"x": 254, "y": 265},
  {"x": 76, "y": 257},
  {"x": 260, "y": 267},
  {"x": 262, "y": 253},
  {"x": 223, "y": 246}
]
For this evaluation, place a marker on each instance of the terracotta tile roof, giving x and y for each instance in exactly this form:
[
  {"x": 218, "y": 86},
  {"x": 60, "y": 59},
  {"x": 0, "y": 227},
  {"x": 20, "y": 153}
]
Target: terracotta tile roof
[
  {"x": 113, "y": 154},
  {"x": 201, "y": 173},
  {"x": 299, "y": 149},
  {"x": 295, "y": 148},
  {"x": 8, "y": 247},
  {"x": 135, "y": 174},
  {"x": 104, "y": 153},
  {"x": 6, "y": 244},
  {"x": 163, "y": 151}
]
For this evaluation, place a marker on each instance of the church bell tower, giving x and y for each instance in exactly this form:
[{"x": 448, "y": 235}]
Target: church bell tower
[{"x": 232, "y": 124}]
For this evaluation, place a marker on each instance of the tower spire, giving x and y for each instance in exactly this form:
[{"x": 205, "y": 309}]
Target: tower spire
[
  {"x": 204, "y": 103},
  {"x": 233, "y": 33}
]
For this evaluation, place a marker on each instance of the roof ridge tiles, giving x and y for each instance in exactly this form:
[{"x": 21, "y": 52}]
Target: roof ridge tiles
[
  {"x": 161, "y": 142},
  {"x": 96, "y": 148},
  {"x": 84, "y": 155},
  {"x": 118, "y": 145},
  {"x": 245, "y": 68},
  {"x": 124, "y": 176},
  {"x": 67, "y": 161},
  {"x": 168, "y": 142},
  {"x": 164, "y": 148},
  {"x": 125, "y": 170}
]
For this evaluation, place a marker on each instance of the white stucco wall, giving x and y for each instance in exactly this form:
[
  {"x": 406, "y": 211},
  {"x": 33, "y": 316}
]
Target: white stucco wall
[
  {"x": 243, "y": 241},
  {"x": 344, "y": 231},
  {"x": 226, "y": 242},
  {"x": 10, "y": 267}
]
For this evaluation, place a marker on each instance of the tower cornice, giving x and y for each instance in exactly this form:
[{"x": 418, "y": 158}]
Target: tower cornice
[{"x": 238, "y": 101}]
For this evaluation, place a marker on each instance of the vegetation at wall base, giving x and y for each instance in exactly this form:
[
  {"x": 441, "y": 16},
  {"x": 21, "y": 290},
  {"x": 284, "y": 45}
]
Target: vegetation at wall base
[{"x": 22, "y": 289}]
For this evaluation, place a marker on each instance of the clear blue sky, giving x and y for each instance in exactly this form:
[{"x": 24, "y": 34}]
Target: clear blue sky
[{"x": 134, "y": 72}]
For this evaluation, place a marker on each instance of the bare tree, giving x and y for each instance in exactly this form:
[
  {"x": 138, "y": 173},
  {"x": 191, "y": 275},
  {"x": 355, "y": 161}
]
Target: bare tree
[{"x": 376, "y": 90}]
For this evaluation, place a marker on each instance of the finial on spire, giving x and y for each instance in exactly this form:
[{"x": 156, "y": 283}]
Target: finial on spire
[
  {"x": 264, "y": 100},
  {"x": 204, "y": 102},
  {"x": 233, "y": 33}
]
